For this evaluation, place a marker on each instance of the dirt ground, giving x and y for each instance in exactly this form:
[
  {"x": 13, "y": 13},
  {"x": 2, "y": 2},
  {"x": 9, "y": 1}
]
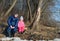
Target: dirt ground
[{"x": 45, "y": 33}]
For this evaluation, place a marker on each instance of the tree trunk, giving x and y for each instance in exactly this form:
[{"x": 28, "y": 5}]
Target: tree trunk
[
  {"x": 30, "y": 14},
  {"x": 10, "y": 7},
  {"x": 2, "y": 7},
  {"x": 36, "y": 22}
]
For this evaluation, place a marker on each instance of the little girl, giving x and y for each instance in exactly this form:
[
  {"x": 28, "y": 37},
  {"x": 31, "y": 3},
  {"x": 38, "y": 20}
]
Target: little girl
[{"x": 21, "y": 25}]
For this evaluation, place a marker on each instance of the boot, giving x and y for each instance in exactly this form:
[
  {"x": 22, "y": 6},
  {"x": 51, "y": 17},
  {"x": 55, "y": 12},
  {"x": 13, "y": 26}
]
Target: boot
[
  {"x": 9, "y": 34},
  {"x": 12, "y": 35}
]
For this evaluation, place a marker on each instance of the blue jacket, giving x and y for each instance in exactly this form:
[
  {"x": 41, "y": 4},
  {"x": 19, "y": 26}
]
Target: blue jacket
[{"x": 12, "y": 21}]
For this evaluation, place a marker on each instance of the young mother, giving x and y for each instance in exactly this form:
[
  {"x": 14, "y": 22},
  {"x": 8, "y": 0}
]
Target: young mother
[{"x": 12, "y": 25}]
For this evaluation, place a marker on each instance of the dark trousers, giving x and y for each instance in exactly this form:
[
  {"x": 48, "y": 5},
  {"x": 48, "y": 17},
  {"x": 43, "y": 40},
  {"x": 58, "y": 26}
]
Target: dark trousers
[{"x": 11, "y": 32}]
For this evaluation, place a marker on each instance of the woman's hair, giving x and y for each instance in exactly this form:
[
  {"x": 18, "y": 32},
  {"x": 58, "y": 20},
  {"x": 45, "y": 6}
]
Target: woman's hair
[{"x": 14, "y": 13}]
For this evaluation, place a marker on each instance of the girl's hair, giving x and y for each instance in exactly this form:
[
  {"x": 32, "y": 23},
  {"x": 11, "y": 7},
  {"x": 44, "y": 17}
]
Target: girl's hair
[{"x": 21, "y": 18}]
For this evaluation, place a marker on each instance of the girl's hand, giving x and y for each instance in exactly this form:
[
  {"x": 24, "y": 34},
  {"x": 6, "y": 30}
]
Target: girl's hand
[{"x": 25, "y": 28}]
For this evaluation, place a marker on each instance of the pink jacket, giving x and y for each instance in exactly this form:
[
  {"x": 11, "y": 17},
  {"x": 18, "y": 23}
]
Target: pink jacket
[{"x": 21, "y": 26}]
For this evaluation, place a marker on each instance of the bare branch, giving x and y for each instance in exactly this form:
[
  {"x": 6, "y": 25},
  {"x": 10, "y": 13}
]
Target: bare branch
[{"x": 10, "y": 7}]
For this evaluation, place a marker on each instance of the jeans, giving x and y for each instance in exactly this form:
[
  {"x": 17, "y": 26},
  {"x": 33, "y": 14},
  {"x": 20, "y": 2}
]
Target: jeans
[{"x": 11, "y": 32}]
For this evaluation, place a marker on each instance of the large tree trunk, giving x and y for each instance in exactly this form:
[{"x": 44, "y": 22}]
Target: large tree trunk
[
  {"x": 36, "y": 22},
  {"x": 10, "y": 7}
]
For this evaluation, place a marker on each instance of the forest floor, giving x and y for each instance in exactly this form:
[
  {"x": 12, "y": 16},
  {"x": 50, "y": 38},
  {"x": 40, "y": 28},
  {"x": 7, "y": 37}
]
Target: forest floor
[{"x": 45, "y": 33}]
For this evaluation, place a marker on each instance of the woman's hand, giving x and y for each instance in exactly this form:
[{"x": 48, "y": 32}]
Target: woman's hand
[{"x": 12, "y": 27}]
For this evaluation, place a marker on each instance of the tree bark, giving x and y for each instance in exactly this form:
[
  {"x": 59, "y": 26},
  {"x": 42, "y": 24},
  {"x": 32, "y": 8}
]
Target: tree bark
[
  {"x": 10, "y": 7},
  {"x": 36, "y": 22},
  {"x": 30, "y": 13}
]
